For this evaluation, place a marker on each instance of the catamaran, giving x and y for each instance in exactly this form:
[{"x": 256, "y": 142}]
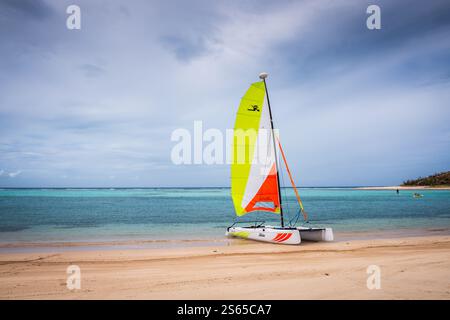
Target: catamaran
[{"x": 255, "y": 181}]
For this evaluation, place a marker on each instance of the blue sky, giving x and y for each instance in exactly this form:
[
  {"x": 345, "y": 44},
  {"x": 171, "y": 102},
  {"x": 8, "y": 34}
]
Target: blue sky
[{"x": 97, "y": 106}]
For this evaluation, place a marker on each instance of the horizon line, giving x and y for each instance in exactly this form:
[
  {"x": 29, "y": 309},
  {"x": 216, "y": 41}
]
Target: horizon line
[{"x": 186, "y": 187}]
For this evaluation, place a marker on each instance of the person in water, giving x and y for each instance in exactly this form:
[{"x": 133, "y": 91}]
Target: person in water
[{"x": 398, "y": 191}]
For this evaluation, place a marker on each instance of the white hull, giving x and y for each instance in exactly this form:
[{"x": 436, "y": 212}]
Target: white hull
[
  {"x": 316, "y": 234},
  {"x": 266, "y": 234}
]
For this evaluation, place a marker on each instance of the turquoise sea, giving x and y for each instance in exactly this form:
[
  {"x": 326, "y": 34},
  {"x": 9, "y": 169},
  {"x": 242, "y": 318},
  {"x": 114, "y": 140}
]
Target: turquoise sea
[{"x": 53, "y": 215}]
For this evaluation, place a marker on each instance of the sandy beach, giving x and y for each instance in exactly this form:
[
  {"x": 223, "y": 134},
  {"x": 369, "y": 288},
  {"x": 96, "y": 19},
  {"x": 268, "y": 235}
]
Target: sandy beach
[{"x": 411, "y": 268}]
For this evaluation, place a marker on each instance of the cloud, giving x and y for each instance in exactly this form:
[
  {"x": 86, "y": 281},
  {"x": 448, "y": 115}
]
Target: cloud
[
  {"x": 11, "y": 174},
  {"x": 183, "y": 48},
  {"x": 353, "y": 106},
  {"x": 91, "y": 70},
  {"x": 36, "y": 9},
  {"x": 14, "y": 174}
]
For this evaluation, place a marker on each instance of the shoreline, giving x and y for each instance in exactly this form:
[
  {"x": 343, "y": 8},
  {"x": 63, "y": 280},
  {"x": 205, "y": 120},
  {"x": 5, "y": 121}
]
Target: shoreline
[
  {"x": 411, "y": 268},
  {"x": 403, "y": 188},
  {"x": 131, "y": 244}
]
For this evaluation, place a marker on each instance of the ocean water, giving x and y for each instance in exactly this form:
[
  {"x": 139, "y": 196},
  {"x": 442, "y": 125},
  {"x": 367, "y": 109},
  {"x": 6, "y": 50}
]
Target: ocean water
[{"x": 53, "y": 215}]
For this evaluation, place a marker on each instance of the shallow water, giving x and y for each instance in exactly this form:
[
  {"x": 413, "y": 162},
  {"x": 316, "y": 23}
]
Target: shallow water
[{"x": 49, "y": 215}]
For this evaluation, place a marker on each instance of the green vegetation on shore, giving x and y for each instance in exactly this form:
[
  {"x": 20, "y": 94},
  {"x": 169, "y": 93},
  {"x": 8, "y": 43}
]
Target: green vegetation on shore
[{"x": 437, "y": 179}]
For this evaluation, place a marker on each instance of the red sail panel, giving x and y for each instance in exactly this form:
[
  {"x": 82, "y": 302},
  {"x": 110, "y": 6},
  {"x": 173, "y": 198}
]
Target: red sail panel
[{"x": 266, "y": 199}]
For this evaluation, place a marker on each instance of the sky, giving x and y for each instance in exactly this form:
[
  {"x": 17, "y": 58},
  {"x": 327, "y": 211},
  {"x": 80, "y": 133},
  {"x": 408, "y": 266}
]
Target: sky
[{"x": 96, "y": 107}]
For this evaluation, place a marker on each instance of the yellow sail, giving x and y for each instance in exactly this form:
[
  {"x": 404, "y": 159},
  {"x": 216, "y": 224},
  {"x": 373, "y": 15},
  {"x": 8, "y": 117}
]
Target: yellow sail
[{"x": 254, "y": 185}]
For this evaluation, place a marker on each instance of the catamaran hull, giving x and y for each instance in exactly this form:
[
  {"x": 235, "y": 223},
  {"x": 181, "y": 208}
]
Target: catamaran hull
[
  {"x": 316, "y": 234},
  {"x": 266, "y": 234}
]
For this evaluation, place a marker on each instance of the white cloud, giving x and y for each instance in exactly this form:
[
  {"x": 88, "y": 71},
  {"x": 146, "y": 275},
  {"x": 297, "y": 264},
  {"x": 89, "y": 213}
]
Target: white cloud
[
  {"x": 96, "y": 105},
  {"x": 14, "y": 174}
]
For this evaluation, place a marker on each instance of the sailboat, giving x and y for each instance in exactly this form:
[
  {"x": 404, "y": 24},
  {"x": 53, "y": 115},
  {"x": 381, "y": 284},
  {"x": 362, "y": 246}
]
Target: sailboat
[{"x": 255, "y": 179}]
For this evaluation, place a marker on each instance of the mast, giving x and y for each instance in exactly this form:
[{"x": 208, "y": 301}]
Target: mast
[{"x": 263, "y": 76}]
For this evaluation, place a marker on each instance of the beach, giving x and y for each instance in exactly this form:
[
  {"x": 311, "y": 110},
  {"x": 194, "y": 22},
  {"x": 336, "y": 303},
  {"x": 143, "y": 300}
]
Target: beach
[
  {"x": 411, "y": 268},
  {"x": 405, "y": 188},
  {"x": 154, "y": 243}
]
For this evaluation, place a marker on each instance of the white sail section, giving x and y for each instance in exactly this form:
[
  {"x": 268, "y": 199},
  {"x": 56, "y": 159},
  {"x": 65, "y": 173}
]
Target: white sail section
[{"x": 261, "y": 192}]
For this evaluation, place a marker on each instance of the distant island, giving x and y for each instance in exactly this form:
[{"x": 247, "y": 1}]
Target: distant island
[{"x": 435, "y": 180}]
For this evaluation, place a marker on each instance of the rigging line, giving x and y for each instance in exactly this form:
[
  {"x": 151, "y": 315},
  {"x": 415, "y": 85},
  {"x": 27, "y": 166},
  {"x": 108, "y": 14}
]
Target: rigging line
[
  {"x": 287, "y": 201},
  {"x": 280, "y": 174},
  {"x": 297, "y": 214},
  {"x": 271, "y": 152},
  {"x": 305, "y": 215},
  {"x": 284, "y": 190}
]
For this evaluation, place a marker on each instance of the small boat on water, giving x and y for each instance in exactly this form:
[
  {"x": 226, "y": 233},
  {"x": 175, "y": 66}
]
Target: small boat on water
[{"x": 255, "y": 180}]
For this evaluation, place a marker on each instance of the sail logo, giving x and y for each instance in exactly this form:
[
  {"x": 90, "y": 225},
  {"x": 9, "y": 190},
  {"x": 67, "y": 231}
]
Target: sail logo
[
  {"x": 254, "y": 108},
  {"x": 213, "y": 147}
]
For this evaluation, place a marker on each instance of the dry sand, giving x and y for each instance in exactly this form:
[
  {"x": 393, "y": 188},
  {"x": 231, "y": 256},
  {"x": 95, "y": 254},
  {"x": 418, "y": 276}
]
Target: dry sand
[{"x": 411, "y": 268}]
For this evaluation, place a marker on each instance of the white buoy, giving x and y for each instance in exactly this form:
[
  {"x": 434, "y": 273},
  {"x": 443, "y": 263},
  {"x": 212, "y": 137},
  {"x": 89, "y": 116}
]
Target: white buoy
[{"x": 263, "y": 75}]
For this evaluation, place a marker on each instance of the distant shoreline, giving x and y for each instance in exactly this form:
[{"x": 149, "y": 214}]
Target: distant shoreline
[
  {"x": 404, "y": 188},
  {"x": 195, "y": 188}
]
